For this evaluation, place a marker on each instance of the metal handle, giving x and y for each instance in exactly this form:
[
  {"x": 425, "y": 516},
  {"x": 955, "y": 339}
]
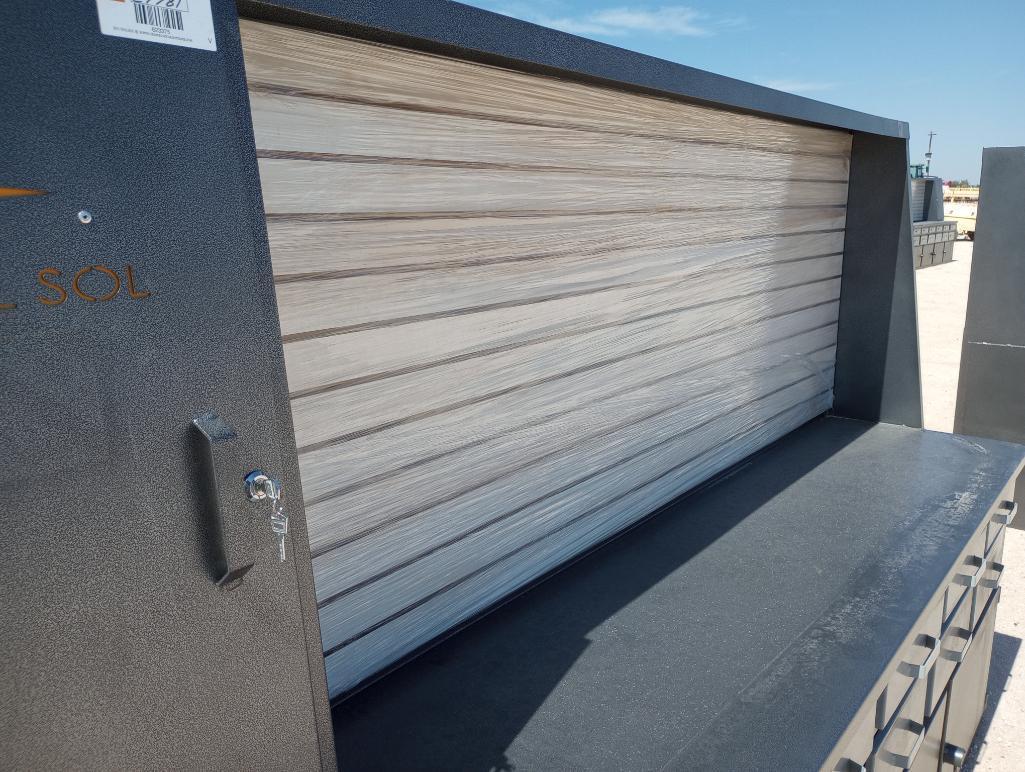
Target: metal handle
[
  {"x": 971, "y": 580},
  {"x": 905, "y": 761},
  {"x": 231, "y": 525},
  {"x": 994, "y": 582},
  {"x": 1007, "y": 517},
  {"x": 922, "y": 670},
  {"x": 958, "y": 656}
]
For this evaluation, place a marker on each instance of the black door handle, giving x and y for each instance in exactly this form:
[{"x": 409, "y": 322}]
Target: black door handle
[{"x": 232, "y": 524}]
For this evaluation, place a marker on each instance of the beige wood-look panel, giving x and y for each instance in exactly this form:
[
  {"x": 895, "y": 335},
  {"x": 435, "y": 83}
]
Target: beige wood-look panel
[
  {"x": 394, "y": 510},
  {"x": 296, "y": 185},
  {"x": 338, "y": 469},
  {"x": 594, "y": 321},
  {"x": 303, "y": 127},
  {"x": 310, "y": 247},
  {"x": 295, "y": 62},
  {"x": 521, "y": 312},
  {"x": 360, "y": 407},
  {"x": 502, "y": 516},
  {"x": 358, "y": 303}
]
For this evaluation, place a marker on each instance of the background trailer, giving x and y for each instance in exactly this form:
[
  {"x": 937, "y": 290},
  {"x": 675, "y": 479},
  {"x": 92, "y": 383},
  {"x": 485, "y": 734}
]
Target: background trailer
[{"x": 332, "y": 329}]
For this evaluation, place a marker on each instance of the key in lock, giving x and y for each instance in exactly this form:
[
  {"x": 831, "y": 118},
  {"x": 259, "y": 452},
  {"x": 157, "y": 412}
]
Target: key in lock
[{"x": 259, "y": 487}]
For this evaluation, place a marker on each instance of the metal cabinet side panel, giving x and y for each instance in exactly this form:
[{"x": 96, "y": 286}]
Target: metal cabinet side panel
[
  {"x": 877, "y": 362},
  {"x": 119, "y": 649}
]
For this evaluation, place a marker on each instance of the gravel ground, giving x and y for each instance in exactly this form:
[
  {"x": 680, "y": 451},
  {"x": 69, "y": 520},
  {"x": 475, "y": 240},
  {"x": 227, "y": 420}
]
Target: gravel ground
[{"x": 942, "y": 296}]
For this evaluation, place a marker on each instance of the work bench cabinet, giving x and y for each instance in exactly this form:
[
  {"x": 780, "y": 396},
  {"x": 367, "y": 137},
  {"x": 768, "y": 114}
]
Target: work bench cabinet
[
  {"x": 931, "y": 703},
  {"x": 398, "y": 385}
]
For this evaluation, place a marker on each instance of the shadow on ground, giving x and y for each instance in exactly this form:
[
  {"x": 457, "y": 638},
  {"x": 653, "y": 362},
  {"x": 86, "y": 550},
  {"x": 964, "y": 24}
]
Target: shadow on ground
[{"x": 1005, "y": 652}]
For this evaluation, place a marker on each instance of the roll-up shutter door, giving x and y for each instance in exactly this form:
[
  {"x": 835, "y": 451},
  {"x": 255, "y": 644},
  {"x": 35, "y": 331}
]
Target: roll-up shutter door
[{"x": 519, "y": 313}]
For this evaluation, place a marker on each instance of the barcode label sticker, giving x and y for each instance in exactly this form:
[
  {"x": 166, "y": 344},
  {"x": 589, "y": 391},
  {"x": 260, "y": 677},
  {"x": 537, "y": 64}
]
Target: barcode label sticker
[{"x": 186, "y": 23}]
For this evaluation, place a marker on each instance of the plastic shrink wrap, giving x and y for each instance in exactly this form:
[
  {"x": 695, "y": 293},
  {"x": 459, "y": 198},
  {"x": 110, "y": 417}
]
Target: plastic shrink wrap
[{"x": 521, "y": 313}]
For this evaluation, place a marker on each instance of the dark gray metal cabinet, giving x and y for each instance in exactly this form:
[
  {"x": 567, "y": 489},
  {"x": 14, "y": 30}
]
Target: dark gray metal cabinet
[
  {"x": 968, "y": 686},
  {"x": 929, "y": 707},
  {"x": 137, "y": 298},
  {"x": 931, "y": 703}
]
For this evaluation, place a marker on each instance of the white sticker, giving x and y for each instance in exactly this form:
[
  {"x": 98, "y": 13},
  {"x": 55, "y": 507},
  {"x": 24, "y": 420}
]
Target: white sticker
[{"x": 187, "y": 23}]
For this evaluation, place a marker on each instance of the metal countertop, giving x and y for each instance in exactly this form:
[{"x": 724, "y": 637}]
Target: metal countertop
[{"x": 739, "y": 628}]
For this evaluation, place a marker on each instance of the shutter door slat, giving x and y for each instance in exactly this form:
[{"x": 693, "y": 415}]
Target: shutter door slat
[
  {"x": 304, "y": 246},
  {"x": 519, "y": 313},
  {"x": 290, "y": 62},
  {"x": 292, "y": 185},
  {"x": 400, "y": 584},
  {"x": 312, "y": 128}
]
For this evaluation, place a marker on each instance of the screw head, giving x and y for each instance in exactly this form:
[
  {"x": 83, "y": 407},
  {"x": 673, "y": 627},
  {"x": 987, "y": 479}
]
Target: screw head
[{"x": 85, "y": 217}]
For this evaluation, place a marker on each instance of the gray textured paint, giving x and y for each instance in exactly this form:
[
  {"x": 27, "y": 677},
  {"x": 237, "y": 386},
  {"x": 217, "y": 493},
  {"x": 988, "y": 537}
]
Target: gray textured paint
[
  {"x": 460, "y": 30},
  {"x": 992, "y": 381},
  {"x": 120, "y": 652},
  {"x": 877, "y": 363},
  {"x": 741, "y": 628}
]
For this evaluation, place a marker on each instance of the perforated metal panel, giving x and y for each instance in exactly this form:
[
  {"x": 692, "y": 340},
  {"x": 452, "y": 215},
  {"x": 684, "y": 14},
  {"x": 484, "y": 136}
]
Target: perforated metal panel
[{"x": 519, "y": 313}]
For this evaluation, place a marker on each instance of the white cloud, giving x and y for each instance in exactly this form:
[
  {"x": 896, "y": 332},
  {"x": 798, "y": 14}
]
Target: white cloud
[
  {"x": 622, "y": 21},
  {"x": 799, "y": 86}
]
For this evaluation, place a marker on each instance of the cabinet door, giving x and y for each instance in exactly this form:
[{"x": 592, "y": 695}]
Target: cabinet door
[
  {"x": 137, "y": 297},
  {"x": 968, "y": 689},
  {"x": 911, "y": 744},
  {"x": 928, "y": 757},
  {"x": 903, "y": 736}
]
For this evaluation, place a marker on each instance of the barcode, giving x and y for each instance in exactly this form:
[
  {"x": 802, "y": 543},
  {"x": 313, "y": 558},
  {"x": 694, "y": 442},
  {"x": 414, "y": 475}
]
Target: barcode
[{"x": 158, "y": 17}]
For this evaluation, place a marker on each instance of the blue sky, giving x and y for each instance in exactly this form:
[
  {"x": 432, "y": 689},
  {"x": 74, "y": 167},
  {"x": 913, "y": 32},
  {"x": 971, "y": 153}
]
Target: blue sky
[{"x": 956, "y": 68}]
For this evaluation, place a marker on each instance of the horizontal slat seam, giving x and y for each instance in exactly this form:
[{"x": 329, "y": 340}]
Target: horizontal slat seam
[
  {"x": 611, "y": 172},
  {"x": 528, "y": 213},
  {"x": 262, "y": 87},
  {"x": 350, "y": 273}
]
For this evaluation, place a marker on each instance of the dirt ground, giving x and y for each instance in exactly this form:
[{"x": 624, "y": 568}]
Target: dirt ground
[{"x": 942, "y": 297}]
